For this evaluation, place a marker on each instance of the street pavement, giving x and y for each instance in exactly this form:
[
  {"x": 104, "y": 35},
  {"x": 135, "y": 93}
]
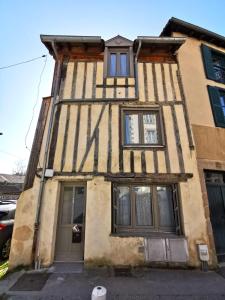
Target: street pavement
[{"x": 65, "y": 282}]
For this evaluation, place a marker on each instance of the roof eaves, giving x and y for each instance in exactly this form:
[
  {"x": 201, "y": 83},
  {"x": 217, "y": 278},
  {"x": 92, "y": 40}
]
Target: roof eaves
[
  {"x": 202, "y": 33},
  {"x": 70, "y": 38},
  {"x": 161, "y": 40}
]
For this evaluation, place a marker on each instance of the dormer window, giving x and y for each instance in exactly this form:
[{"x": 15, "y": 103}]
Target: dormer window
[
  {"x": 118, "y": 63},
  {"x": 118, "y": 57}
]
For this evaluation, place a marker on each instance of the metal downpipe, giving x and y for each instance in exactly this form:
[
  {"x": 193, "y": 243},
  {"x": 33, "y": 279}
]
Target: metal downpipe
[
  {"x": 136, "y": 69},
  {"x": 36, "y": 252}
]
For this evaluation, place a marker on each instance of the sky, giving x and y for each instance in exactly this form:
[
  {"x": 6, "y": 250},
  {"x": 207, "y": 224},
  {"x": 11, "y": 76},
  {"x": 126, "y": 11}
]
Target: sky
[{"x": 22, "y": 22}]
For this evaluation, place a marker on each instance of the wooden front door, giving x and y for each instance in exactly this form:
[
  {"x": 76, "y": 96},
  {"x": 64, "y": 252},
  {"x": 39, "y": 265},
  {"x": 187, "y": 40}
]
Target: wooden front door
[
  {"x": 70, "y": 229},
  {"x": 216, "y": 197}
]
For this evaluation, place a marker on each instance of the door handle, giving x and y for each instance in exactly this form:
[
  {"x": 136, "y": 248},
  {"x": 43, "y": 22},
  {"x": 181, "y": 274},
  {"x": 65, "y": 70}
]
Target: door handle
[{"x": 76, "y": 228}]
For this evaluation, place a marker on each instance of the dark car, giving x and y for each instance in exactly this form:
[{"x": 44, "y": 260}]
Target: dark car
[{"x": 7, "y": 215}]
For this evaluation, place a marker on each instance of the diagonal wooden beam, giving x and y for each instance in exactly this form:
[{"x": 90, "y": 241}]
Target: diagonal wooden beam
[{"x": 93, "y": 137}]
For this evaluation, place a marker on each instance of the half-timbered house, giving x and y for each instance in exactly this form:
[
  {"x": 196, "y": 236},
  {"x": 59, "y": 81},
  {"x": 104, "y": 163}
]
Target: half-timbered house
[{"x": 112, "y": 177}]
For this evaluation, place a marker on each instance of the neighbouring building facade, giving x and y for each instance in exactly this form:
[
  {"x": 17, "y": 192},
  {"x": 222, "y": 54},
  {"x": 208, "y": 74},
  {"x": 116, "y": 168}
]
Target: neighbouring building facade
[
  {"x": 113, "y": 177},
  {"x": 202, "y": 65}
]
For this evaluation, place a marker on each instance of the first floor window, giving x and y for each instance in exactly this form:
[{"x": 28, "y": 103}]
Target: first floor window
[
  {"x": 142, "y": 127},
  {"x": 141, "y": 208}
]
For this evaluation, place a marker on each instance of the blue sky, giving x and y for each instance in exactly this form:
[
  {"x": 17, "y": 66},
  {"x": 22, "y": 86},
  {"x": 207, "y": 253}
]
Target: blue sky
[{"x": 22, "y": 22}]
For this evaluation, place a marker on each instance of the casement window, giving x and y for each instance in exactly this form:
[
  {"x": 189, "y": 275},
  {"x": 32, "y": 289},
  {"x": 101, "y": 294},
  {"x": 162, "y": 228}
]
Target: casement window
[
  {"x": 214, "y": 62},
  {"x": 217, "y": 99},
  {"x": 142, "y": 127},
  {"x": 118, "y": 63},
  {"x": 145, "y": 208}
]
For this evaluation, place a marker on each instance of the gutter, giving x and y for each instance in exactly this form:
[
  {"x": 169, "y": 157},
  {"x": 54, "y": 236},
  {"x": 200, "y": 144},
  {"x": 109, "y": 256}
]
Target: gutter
[
  {"x": 161, "y": 40},
  {"x": 36, "y": 249},
  {"x": 136, "y": 69},
  {"x": 70, "y": 39}
]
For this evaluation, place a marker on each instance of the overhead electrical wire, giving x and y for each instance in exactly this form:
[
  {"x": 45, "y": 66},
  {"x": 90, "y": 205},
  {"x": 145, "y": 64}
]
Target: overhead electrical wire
[
  {"x": 37, "y": 98},
  {"x": 23, "y": 62},
  {"x": 10, "y": 154}
]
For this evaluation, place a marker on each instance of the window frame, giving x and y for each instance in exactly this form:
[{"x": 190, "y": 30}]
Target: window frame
[
  {"x": 214, "y": 96},
  {"x": 118, "y": 50},
  {"x": 220, "y": 68},
  {"x": 155, "y": 228},
  {"x": 207, "y": 57},
  {"x": 141, "y": 111}
]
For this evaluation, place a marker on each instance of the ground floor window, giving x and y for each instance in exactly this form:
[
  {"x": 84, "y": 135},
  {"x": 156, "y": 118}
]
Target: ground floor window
[{"x": 145, "y": 208}]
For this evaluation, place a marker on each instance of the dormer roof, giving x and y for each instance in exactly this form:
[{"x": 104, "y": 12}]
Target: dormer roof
[{"x": 118, "y": 41}]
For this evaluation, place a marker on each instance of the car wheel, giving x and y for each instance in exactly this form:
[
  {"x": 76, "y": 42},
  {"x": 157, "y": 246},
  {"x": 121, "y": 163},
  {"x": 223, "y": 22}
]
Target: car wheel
[{"x": 5, "y": 249}]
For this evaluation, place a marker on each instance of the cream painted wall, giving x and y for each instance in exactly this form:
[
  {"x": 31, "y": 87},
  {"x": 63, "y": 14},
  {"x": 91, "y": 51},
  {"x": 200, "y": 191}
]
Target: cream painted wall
[
  {"x": 100, "y": 246},
  {"x": 22, "y": 239},
  {"x": 195, "y": 81},
  {"x": 48, "y": 221}
]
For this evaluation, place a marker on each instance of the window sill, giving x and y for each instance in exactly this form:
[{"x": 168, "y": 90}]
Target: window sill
[
  {"x": 143, "y": 146},
  {"x": 146, "y": 235}
]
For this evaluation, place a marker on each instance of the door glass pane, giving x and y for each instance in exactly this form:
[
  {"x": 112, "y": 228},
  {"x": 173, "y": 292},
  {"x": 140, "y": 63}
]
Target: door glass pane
[
  {"x": 112, "y": 65},
  {"x": 165, "y": 204},
  {"x": 123, "y": 216},
  {"x": 123, "y": 64},
  {"x": 143, "y": 205},
  {"x": 67, "y": 205},
  {"x": 78, "y": 208},
  {"x": 150, "y": 128},
  {"x": 131, "y": 129}
]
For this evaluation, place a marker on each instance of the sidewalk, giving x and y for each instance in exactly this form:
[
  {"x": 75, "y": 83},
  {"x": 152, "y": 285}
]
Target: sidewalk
[{"x": 65, "y": 282}]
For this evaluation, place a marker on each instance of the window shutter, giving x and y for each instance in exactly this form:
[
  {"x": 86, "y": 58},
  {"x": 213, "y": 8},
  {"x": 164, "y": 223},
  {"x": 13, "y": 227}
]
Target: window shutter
[
  {"x": 114, "y": 207},
  {"x": 208, "y": 63},
  {"x": 217, "y": 109},
  {"x": 176, "y": 210}
]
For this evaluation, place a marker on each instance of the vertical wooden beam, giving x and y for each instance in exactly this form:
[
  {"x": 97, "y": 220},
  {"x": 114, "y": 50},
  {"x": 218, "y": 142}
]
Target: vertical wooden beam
[
  {"x": 65, "y": 138},
  {"x": 143, "y": 162},
  {"x": 178, "y": 143},
  {"x": 89, "y": 123},
  {"x": 63, "y": 78},
  {"x": 51, "y": 155},
  {"x": 164, "y": 83},
  {"x": 126, "y": 88},
  {"x": 109, "y": 139},
  {"x": 94, "y": 81},
  {"x": 120, "y": 142},
  {"x": 155, "y": 83},
  {"x": 172, "y": 82},
  {"x": 145, "y": 82},
  {"x": 96, "y": 150},
  {"x": 74, "y": 80},
  {"x": 76, "y": 139},
  {"x": 155, "y": 158},
  {"x": 85, "y": 80},
  {"x": 132, "y": 161}
]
